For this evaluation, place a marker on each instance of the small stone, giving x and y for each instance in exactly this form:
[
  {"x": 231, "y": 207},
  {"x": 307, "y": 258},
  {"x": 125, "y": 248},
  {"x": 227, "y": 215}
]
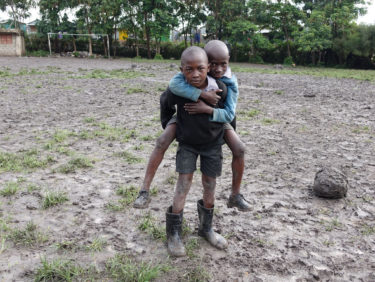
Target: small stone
[
  {"x": 330, "y": 183},
  {"x": 31, "y": 207}
]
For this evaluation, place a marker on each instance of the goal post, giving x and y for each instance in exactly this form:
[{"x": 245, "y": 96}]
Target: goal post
[{"x": 77, "y": 34}]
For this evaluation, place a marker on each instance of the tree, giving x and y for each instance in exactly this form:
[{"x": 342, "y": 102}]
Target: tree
[
  {"x": 18, "y": 9},
  {"x": 190, "y": 14},
  {"x": 285, "y": 17},
  {"x": 315, "y": 36}
]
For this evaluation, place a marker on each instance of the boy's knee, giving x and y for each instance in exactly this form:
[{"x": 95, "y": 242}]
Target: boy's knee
[
  {"x": 162, "y": 143},
  {"x": 239, "y": 150}
]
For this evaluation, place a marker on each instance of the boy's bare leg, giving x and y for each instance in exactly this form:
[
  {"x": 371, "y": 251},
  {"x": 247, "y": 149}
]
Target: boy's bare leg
[
  {"x": 238, "y": 164},
  {"x": 182, "y": 189},
  {"x": 174, "y": 216},
  {"x": 157, "y": 155},
  {"x": 206, "y": 213}
]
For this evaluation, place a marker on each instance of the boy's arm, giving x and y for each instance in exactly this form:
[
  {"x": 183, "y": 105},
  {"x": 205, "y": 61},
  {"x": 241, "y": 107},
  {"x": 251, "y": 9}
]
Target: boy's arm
[
  {"x": 228, "y": 113},
  {"x": 224, "y": 115},
  {"x": 180, "y": 87}
]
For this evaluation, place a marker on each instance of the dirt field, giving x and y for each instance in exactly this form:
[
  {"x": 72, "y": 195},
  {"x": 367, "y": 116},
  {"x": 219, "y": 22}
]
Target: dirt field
[{"x": 75, "y": 135}]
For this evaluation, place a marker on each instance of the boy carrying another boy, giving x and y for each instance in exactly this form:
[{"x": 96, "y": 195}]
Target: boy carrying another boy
[
  {"x": 197, "y": 136},
  {"x": 218, "y": 55}
]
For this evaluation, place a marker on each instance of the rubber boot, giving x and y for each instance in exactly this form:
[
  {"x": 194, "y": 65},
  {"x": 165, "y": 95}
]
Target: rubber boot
[
  {"x": 205, "y": 227},
  {"x": 174, "y": 229}
]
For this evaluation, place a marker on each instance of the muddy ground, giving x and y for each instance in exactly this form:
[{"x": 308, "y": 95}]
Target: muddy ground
[{"x": 104, "y": 113}]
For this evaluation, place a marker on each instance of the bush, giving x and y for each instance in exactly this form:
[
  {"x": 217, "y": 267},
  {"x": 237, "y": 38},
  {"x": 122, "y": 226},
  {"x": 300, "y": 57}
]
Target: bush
[
  {"x": 158, "y": 57},
  {"x": 288, "y": 61},
  {"x": 256, "y": 59},
  {"x": 39, "y": 53}
]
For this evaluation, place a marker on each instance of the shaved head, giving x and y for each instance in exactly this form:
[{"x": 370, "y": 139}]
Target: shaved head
[
  {"x": 193, "y": 53},
  {"x": 216, "y": 48}
]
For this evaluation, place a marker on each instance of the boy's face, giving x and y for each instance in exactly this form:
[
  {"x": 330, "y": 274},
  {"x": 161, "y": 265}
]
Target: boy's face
[
  {"x": 195, "y": 70},
  {"x": 218, "y": 64}
]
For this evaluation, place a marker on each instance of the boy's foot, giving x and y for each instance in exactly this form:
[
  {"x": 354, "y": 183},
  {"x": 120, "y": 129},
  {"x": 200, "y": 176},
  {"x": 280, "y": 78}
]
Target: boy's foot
[
  {"x": 142, "y": 200},
  {"x": 239, "y": 202}
]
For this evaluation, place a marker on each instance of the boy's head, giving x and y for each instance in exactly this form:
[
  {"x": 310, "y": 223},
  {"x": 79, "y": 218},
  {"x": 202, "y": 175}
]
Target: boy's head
[
  {"x": 218, "y": 56},
  {"x": 194, "y": 66}
]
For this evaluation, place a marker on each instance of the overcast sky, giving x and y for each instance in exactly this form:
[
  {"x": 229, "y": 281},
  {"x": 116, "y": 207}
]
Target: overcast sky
[{"x": 369, "y": 18}]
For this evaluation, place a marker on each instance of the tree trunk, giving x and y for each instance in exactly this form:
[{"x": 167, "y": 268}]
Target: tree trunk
[
  {"x": 313, "y": 57},
  {"x": 147, "y": 30},
  {"x": 74, "y": 44}
]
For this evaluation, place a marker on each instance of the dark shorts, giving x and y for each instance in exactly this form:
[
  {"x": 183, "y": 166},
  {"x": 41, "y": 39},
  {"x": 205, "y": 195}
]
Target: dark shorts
[{"x": 211, "y": 157}]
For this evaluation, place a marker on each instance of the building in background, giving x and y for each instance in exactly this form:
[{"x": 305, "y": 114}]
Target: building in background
[{"x": 12, "y": 42}]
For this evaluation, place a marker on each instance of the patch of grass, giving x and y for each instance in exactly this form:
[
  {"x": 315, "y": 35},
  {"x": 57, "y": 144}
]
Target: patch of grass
[
  {"x": 96, "y": 245},
  {"x": 132, "y": 90},
  {"x": 269, "y": 121},
  {"x": 22, "y": 161},
  {"x": 171, "y": 179},
  {"x": 154, "y": 191},
  {"x": 149, "y": 226},
  {"x": 139, "y": 147},
  {"x": 191, "y": 247},
  {"x": 74, "y": 164},
  {"x": 67, "y": 245},
  {"x": 196, "y": 274},
  {"x": 249, "y": 113},
  {"x": 57, "y": 270},
  {"x": 11, "y": 188},
  {"x": 114, "y": 133},
  {"x": 89, "y": 120},
  {"x": 279, "y": 92},
  {"x": 147, "y": 138},
  {"x": 129, "y": 157},
  {"x": 118, "y": 73},
  {"x": 368, "y": 230},
  {"x": 367, "y": 75},
  {"x": 29, "y": 236},
  {"x": 53, "y": 198},
  {"x": 122, "y": 268},
  {"x": 128, "y": 194},
  {"x": 61, "y": 135}
]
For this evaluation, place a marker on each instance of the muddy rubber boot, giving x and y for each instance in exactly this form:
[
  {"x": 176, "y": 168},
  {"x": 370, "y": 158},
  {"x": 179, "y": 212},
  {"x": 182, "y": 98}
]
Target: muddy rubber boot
[
  {"x": 142, "y": 201},
  {"x": 239, "y": 202},
  {"x": 205, "y": 227},
  {"x": 174, "y": 229}
]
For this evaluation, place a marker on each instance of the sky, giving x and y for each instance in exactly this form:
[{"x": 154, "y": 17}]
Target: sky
[{"x": 369, "y": 18}]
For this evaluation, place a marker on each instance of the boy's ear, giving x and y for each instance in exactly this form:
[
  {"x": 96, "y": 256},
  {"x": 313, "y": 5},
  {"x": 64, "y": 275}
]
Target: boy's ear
[{"x": 181, "y": 69}]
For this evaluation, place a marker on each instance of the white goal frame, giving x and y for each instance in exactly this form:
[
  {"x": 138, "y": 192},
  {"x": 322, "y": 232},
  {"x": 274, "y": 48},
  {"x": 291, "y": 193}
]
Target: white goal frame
[{"x": 85, "y": 34}]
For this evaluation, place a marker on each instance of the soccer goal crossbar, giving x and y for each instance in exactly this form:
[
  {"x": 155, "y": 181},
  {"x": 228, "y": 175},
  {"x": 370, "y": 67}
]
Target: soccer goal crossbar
[{"x": 79, "y": 34}]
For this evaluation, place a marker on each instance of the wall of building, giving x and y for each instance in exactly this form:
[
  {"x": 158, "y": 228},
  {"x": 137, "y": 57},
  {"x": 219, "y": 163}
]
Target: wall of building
[{"x": 11, "y": 44}]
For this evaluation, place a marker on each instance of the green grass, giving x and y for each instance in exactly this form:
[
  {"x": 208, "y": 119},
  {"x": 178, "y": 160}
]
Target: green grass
[
  {"x": 57, "y": 270},
  {"x": 129, "y": 157},
  {"x": 132, "y": 90},
  {"x": 368, "y": 230},
  {"x": 10, "y": 189},
  {"x": 149, "y": 226},
  {"x": 191, "y": 247},
  {"x": 27, "y": 160},
  {"x": 171, "y": 179},
  {"x": 74, "y": 164},
  {"x": 367, "y": 75},
  {"x": 96, "y": 245},
  {"x": 122, "y": 268},
  {"x": 29, "y": 236},
  {"x": 197, "y": 274},
  {"x": 269, "y": 121},
  {"x": 118, "y": 73},
  {"x": 248, "y": 114},
  {"x": 54, "y": 198},
  {"x": 128, "y": 194},
  {"x": 113, "y": 133}
]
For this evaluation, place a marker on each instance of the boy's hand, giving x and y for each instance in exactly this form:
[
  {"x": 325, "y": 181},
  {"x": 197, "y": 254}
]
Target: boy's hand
[
  {"x": 210, "y": 96},
  {"x": 199, "y": 107}
]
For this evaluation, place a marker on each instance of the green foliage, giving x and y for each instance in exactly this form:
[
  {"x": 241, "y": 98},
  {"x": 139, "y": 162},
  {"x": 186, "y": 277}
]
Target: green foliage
[
  {"x": 158, "y": 57},
  {"x": 288, "y": 61},
  {"x": 10, "y": 189},
  {"x": 27, "y": 160},
  {"x": 53, "y": 198},
  {"x": 122, "y": 268},
  {"x": 74, "y": 164},
  {"x": 57, "y": 270},
  {"x": 28, "y": 236},
  {"x": 148, "y": 225}
]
